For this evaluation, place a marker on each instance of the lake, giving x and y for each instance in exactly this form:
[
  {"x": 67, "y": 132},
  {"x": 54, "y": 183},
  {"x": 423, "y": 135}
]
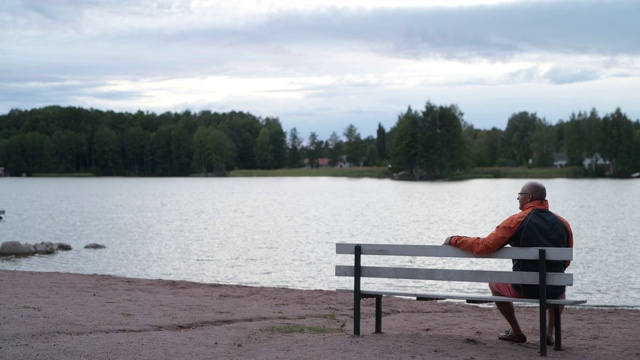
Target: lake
[{"x": 281, "y": 232}]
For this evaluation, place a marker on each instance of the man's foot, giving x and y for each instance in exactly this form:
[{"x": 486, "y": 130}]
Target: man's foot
[
  {"x": 550, "y": 340},
  {"x": 510, "y": 336}
]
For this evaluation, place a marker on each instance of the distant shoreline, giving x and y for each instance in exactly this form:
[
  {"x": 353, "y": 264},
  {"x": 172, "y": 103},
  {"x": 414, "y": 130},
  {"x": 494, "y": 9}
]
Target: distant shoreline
[{"x": 571, "y": 172}]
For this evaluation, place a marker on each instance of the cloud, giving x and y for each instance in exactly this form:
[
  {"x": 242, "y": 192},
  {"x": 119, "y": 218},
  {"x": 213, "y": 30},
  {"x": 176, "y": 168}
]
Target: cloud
[
  {"x": 488, "y": 32},
  {"x": 322, "y": 63},
  {"x": 170, "y": 32},
  {"x": 559, "y": 75}
]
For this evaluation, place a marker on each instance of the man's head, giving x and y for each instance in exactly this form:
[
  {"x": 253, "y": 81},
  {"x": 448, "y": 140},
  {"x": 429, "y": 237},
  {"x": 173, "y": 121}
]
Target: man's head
[{"x": 531, "y": 191}]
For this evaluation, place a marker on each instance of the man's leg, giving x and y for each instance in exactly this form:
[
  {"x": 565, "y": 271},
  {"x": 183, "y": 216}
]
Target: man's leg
[
  {"x": 507, "y": 310},
  {"x": 551, "y": 323}
]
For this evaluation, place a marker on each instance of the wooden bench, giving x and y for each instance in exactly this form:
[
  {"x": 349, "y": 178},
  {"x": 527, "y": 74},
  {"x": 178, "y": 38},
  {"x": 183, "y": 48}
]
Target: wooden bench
[{"x": 542, "y": 277}]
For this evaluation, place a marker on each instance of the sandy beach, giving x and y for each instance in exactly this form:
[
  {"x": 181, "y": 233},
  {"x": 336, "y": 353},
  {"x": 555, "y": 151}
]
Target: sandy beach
[{"x": 70, "y": 316}]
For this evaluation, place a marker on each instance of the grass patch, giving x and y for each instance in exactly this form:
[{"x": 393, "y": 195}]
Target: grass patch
[
  {"x": 64, "y": 175},
  {"x": 570, "y": 172},
  {"x": 127, "y": 314},
  {"x": 331, "y": 316},
  {"x": 35, "y": 308},
  {"x": 356, "y": 172},
  {"x": 384, "y": 173},
  {"x": 291, "y": 329}
]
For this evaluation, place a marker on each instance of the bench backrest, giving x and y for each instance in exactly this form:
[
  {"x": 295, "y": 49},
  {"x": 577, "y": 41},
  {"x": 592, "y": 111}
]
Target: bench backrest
[{"x": 415, "y": 273}]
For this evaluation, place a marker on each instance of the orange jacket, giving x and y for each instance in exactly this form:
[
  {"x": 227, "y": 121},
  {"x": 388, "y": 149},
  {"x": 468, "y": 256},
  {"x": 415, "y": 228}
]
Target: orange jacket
[{"x": 503, "y": 232}]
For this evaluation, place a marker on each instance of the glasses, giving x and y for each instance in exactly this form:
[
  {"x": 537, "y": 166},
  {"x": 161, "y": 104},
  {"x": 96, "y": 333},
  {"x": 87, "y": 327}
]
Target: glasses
[{"x": 520, "y": 194}]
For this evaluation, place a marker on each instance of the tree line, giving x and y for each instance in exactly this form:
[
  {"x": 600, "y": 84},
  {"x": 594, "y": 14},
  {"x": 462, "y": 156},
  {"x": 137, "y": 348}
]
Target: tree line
[{"x": 434, "y": 142}]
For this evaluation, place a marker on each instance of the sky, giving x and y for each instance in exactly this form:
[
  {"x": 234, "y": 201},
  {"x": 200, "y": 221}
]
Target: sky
[{"x": 323, "y": 65}]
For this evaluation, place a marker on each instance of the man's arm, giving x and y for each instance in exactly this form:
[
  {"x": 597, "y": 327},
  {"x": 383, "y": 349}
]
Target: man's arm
[{"x": 494, "y": 241}]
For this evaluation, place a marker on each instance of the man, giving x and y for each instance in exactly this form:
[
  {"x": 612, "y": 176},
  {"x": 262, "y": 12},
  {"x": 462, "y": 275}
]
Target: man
[{"x": 533, "y": 226}]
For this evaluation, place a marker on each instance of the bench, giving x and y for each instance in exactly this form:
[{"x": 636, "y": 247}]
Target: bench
[{"x": 541, "y": 277}]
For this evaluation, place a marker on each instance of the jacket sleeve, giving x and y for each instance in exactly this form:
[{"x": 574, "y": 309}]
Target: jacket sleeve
[
  {"x": 570, "y": 232},
  {"x": 494, "y": 241}
]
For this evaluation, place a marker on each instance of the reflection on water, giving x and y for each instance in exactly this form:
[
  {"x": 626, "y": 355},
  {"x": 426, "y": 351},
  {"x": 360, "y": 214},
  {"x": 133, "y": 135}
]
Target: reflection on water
[{"x": 282, "y": 231}]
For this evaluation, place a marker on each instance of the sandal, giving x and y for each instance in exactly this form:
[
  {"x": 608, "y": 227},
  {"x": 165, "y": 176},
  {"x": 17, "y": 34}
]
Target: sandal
[{"x": 510, "y": 336}]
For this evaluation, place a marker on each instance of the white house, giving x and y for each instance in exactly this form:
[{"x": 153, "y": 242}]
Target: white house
[
  {"x": 595, "y": 160},
  {"x": 560, "y": 159}
]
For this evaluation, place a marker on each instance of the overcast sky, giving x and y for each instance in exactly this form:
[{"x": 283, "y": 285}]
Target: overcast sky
[{"x": 322, "y": 65}]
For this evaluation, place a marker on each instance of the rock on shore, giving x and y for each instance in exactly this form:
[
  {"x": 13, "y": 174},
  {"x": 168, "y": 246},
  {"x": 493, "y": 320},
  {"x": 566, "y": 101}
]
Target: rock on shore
[{"x": 16, "y": 248}]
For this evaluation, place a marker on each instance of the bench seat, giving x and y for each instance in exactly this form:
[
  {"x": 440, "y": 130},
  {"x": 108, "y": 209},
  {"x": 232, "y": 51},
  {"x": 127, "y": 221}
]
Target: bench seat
[{"x": 472, "y": 299}]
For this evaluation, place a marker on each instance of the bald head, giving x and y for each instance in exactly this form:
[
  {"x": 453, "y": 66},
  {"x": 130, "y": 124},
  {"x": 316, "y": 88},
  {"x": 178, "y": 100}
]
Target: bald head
[{"x": 536, "y": 189}]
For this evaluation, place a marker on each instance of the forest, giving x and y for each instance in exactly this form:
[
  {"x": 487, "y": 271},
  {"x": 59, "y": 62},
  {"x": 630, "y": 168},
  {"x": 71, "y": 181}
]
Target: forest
[{"x": 434, "y": 142}]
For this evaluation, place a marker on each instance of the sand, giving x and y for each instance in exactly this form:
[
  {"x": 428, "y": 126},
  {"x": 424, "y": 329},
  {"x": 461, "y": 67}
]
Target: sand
[{"x": 71, "y": 316}]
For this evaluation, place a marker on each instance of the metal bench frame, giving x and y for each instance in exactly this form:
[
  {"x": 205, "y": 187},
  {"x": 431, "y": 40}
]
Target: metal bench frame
[{"x": 541, "y": 277}]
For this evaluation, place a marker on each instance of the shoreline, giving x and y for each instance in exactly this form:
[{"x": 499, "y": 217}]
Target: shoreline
[
  {"x": 588, "y": 305},
  {"x": 383, "y": 172},
  {"x": 49, "y": 315}
]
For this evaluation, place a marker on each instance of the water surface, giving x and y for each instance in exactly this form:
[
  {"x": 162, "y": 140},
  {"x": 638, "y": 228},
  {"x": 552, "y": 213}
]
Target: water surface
[{"x": 282, "y": 231}]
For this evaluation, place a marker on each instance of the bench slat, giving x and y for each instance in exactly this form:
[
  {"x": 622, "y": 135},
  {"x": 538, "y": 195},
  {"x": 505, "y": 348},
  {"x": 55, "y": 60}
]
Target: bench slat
[
  {"x": 513, "y": 277},
  {"x": 467, "y": 297},
  {"x": 450, "y": 251}
]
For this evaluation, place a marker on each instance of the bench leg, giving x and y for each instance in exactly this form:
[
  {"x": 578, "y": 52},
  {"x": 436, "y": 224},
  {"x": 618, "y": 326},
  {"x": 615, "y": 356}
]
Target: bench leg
[
  {"x": 542, "y": 276},
  {"x": 356, "y": 313},
  {"x": 543, "y": 330},
  {"x": 357, "y": 296},
  {"x": 378, "y": 314},
  {"x": 356, "y": 320},
  {"x": 558, "y": 324}
]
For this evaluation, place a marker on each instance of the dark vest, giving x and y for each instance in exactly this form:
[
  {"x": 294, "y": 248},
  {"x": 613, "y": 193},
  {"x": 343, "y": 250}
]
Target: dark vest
[{"x": 540, "y": 228}]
